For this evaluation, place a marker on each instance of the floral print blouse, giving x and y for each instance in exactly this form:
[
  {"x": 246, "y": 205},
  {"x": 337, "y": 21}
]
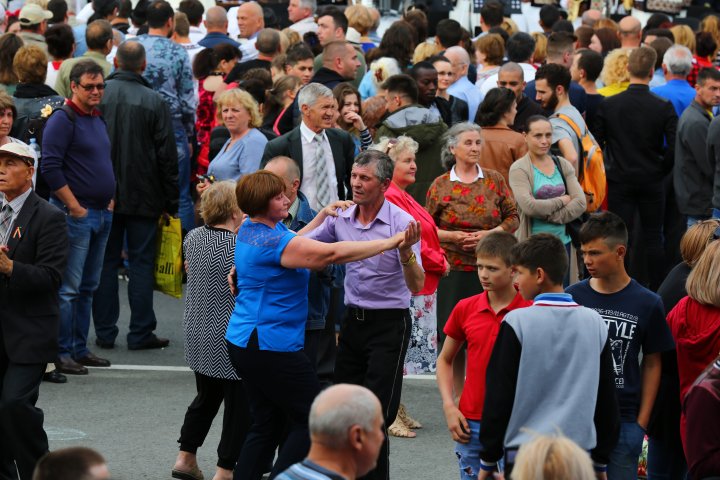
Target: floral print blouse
[{"x": 470, "y": 207}]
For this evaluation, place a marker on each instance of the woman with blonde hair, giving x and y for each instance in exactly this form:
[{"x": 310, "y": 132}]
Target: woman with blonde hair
[
  {"x": 540, "y": 53},
  {"x": 695, "y": 320},
  {"x": 665, "y": 451},
  {"x": 421, "y": 355},
  {"x": 552, "y": 458},
  {"x": 684, "y": 36},
  {"x": 615, "y": 75},
  {"x": 238, "y": 111},
  {"x": 360, "y": 19},
  {"x": 424, "y": 51},
  {"x": 208, "y": 305}
]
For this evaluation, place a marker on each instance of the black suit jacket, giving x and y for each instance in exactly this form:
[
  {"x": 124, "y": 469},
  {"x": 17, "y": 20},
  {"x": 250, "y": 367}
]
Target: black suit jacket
[
  {"x": 30, "y": 313},
  {"x": 343, "y": 152}
]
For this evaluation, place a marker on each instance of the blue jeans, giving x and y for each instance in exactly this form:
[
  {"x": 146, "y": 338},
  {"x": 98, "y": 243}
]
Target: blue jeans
[
  {"x": 624, "y": 458},
  {"x": 666, "y": 459},
  {"x": 186, "y": 213},
  {"x": 141, "y": 245},
  {"x": 468, "y": 454},
  {"x": 87, "y": 239}
]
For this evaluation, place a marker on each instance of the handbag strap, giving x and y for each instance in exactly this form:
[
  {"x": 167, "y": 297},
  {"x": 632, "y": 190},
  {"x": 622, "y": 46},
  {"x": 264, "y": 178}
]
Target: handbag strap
[{"x": 556, "y": 161}]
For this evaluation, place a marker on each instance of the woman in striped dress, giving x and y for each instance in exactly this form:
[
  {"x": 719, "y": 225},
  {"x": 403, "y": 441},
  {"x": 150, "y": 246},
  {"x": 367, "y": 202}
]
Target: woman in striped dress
[{"x": 209, "y": 255}]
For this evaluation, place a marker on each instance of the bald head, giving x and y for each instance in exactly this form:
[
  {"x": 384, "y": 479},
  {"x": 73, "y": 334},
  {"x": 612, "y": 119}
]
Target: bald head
[
  {"x": 590, "y": 18},
  {"x": 512, "y": 68},
  {"x": 250, "y": 19},
  {"x": 216, "y": 20},
  {"x": 459, "y": 59},
  {"x": 629, "y": 32},
  {"x": 130, "y": 56},
  {"x": 511, "y": 76},
  {"x": 340, "y": 407}
]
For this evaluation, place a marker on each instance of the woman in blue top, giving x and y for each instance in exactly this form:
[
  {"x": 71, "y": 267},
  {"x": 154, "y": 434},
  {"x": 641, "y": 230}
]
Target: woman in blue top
[
  {"x": 241, "y": 154},
  {"x": 547, "y": 198},
  {"x": 266, "y": 331}
]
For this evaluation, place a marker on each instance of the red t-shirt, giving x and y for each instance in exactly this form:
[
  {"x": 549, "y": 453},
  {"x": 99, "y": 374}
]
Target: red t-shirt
[{"x": 473, "y": 320}]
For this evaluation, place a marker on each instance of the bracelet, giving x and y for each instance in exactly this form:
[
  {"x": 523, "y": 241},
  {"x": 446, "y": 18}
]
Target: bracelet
[{"x": 410, "y": 261}]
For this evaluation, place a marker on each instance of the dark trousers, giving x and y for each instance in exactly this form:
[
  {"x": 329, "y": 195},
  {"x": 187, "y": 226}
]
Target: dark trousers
[
  {"x": 22, "y": 438},
  {"x": 371, "y": 352},
  {"x": 141, "y": 243},
  {"x": 280, "y": 387},
  {"x": 211, "y": 392},
  {"x": 320, "y": 348},
  {"x": 648, "y": 200}
]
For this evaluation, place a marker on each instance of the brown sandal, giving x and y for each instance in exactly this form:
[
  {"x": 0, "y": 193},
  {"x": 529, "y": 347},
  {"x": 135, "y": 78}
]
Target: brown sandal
[
  {"x": 400, "y": 430},
  {"x": 407, "y": 419}
]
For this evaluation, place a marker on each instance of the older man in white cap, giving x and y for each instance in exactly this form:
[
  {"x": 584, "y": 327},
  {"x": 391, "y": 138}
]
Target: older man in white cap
[
  {"x": 33, "y": 253},
  {"x": 33, "y": 23}
]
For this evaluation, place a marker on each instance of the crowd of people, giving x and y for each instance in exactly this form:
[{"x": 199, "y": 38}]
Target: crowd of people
[{"x": 532, "y": 214}]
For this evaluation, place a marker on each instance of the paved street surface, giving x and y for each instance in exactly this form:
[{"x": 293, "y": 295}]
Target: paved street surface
[{"x": 132, "y": 412}]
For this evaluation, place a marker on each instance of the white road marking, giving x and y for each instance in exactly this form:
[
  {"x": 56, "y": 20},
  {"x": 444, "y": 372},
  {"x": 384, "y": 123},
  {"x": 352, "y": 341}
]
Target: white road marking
[{"x": 169, "y": 368}]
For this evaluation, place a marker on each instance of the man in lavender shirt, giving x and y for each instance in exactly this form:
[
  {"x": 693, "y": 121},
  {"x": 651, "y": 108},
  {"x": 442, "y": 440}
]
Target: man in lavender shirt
[{"x": 375, "y": 332}]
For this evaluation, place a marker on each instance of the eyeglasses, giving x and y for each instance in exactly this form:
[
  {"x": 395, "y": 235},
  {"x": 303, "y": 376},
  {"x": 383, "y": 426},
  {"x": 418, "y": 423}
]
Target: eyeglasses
[{"x": 89, "y": 88}]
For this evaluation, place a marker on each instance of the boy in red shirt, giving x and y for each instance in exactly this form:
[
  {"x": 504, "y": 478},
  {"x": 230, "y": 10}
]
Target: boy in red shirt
[{"x": 477, "y": 321}]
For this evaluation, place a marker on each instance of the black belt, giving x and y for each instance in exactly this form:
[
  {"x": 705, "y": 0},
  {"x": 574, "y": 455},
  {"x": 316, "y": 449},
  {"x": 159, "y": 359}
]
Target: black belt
[{"x": 364, "y": 314}]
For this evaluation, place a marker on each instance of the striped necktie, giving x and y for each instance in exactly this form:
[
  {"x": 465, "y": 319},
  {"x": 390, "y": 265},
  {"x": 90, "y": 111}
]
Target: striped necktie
[
  {"x": 6, "y": 215},
  {"x": 322, "y": 183}
]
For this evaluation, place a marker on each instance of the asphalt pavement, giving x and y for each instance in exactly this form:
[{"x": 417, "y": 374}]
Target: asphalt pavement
[{"x": 133, "y": 411}]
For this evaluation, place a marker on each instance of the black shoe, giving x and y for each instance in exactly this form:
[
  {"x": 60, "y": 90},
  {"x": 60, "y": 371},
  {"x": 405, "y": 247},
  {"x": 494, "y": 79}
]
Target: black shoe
[
  {"x": 54, "y": 377},
  {"x": 70, "y": 367},
  {"x": 153, "y": 342},
  {"x": 104, "y": 345},
  {"x": 92, "y": 360}
]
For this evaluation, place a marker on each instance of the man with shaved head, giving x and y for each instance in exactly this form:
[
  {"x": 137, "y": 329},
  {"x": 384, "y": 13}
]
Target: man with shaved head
[
  {"x": 340, "y": 64},
  {"x": 630, "y": 32},
  {"x": 511, "y": 75},
  {"x": 216, "y": 23},
  {"x": 462, "y": 88},
  {"x": 250, "y": 21},
  {"x": 268, "y": 47},
  {"x": 346, "y": 431}
]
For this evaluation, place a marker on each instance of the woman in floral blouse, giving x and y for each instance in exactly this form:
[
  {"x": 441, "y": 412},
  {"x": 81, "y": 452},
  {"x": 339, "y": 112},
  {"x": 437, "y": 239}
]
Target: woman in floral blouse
[{"x": 466, "y": 203}]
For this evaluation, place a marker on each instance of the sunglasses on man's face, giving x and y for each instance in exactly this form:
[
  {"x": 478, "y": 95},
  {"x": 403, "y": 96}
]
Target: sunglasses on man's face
[{"x": 92, "y": 86}]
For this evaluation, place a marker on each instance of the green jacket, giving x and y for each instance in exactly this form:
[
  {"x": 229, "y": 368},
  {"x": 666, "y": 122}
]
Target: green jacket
[{"x": 427, "y": 129}]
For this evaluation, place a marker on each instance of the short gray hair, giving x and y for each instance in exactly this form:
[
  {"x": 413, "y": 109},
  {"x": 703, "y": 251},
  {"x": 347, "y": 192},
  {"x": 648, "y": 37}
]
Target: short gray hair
[
  {"x": 678, "y": 60},
  {"x": 384, "y": 165},
  {"x": 311, "y": 92},
  {"x": 451, "y": 140},
  {"x": 311, "y": 4},
  {"x": 333, "y": 424}
]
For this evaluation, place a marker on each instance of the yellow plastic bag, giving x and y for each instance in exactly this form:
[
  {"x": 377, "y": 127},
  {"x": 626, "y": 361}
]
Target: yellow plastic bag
[{"x": 168, "y": 260}]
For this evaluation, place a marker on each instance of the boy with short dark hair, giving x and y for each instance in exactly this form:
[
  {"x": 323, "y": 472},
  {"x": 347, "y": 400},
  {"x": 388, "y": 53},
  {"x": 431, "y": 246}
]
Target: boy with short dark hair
[
  {"x": 635, "y": 318},
  {"x": 551, "y": 366},
  {"x": 476, "y": 320}
]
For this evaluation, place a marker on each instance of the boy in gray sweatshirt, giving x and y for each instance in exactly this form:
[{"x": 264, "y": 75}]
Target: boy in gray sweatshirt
[{"x": 550, "y": 369}]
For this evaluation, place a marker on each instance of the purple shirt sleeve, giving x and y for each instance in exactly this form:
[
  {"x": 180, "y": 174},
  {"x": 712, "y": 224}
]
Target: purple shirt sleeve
[{"x": 325, "y": 232}]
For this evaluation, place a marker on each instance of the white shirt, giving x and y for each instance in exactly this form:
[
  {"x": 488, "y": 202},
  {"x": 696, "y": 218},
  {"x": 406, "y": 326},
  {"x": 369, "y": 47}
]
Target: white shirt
[
  {"x": 309, "y": 180},
  {"x": 455, "y": 178},
  {"x": 247, "y": 47},
  {"x": 305, "y": 25},
  {"x": 196, "y": 34}
]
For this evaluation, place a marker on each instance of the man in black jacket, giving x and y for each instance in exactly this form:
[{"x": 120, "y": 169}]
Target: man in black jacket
[
  {"x": 636, "y": 131},
  {"x": 339, "y": 64},
  {"x": 33, "y": 254},
  {"x": 144, "y": 159}
]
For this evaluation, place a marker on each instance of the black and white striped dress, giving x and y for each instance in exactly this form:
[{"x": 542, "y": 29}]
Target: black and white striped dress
[{"x": 209, "y": 253}]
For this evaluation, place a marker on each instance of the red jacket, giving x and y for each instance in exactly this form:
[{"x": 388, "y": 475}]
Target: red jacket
[{"x": 696, "y": 330}]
